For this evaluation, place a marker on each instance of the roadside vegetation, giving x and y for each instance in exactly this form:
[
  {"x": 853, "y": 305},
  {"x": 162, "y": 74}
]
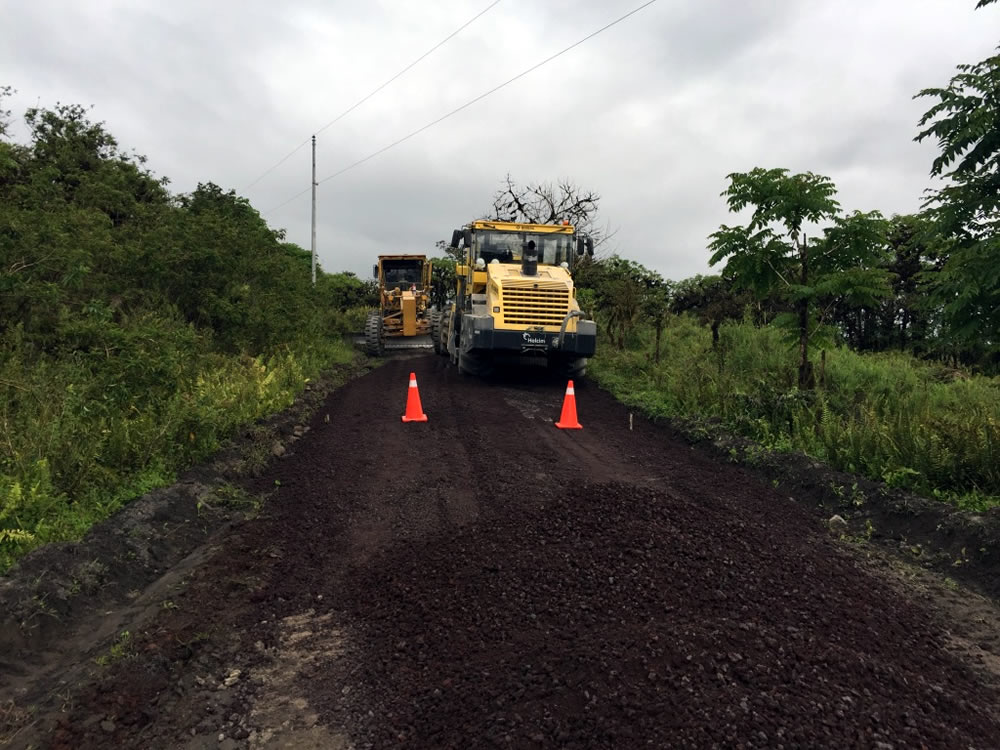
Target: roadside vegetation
[
  {"x": 917, "y": 425},
  {"x": 138, "y": 329},
  {"x": 869, "y": 342}
]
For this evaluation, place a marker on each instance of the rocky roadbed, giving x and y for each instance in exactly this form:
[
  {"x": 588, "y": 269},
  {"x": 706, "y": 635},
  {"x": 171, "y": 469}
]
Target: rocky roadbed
[{"x": 486, "y": 580}]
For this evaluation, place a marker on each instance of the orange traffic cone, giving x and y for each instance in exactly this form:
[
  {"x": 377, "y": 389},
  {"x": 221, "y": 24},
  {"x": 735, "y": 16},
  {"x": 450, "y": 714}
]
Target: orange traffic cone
[
  {"x": 414, "y": 411},
  {"x": 568, "y": 419}
]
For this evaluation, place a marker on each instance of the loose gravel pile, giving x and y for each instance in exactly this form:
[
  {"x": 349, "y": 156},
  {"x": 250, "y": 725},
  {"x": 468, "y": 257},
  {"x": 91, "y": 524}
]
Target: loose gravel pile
[{"x": 616, "y": 616}]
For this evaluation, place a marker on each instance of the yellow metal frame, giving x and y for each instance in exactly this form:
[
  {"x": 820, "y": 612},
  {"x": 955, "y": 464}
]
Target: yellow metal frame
[
  {"x": 404, "y": 312},
  {"x": 509, "y": 226},
  {"x": 544, "y": 297}
]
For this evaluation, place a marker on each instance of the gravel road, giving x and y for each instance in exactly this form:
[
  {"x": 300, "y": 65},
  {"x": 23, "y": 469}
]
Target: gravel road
[{"x": 486, "y": 580}]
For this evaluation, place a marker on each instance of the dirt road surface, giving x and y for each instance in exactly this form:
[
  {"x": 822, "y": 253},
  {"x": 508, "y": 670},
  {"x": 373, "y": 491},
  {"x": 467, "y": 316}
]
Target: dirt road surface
[{"x": 486, "y": 580}]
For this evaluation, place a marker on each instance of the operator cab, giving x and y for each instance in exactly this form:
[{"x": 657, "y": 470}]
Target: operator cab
[
  {"x": 509, "y": 247},
  {"x": 403, "y": 273}
]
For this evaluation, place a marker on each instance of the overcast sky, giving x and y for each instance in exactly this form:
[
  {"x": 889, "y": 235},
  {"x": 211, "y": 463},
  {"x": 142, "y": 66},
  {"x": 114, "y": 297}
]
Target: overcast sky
[{"x": 651, "y": 114}]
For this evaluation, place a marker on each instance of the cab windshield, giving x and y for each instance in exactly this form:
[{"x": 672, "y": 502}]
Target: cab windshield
[
  {"x": 402, "y": 272},
  {"x": 507, "y": 247}
]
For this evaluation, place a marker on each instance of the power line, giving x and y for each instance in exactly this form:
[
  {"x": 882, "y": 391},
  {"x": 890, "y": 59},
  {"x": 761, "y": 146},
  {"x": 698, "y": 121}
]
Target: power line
[
  {"x": 488, "y": 93},
  {"x": 270, "y": 169},
  {"x": 469, "y": 103},
  {"x": 428, "y": 52},
  {"x": 361, "y": 101}
]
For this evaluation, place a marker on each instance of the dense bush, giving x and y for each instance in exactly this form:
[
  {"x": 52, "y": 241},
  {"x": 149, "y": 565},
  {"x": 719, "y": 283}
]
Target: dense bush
[{"x": 138, "y": 329}]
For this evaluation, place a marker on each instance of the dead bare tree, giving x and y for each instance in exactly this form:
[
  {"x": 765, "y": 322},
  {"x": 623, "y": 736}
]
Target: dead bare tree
[{"x": 550, "y": 203}]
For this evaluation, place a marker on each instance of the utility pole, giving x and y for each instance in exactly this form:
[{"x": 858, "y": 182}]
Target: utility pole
[{"x": 314, "y": 214}]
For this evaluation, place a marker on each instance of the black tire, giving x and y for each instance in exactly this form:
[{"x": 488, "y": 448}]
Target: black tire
[
  {"x": 475, "y": 365},
  {"x": 436, "y": 335},
  {"x": 451, "y": 333},
  {"x": 374, "y": 345},
  {"x": 569, "y": 368}
]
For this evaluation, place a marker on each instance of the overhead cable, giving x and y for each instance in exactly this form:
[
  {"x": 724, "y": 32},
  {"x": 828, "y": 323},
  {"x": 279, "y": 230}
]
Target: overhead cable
[
  {"x": 361, "y": 101},
  {"x": 469, "y": 103}
]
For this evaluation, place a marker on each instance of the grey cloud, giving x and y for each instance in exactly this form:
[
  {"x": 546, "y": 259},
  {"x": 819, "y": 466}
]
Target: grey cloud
[{"x": 652, "y": 114}]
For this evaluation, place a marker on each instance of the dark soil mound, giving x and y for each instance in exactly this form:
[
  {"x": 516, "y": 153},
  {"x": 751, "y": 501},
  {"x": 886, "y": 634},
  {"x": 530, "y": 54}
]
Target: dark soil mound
[{"x": 617, "y": 616}]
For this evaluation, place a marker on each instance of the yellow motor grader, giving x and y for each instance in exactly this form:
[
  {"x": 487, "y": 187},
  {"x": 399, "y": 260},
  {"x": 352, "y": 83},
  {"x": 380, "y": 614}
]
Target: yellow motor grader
[{"x": 402, "y": 320}]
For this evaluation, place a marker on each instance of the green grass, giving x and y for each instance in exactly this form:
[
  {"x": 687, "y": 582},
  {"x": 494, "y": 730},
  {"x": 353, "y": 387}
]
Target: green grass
[
  {"x": 121, "y": 648},
  {"x": 77, "y": 443},
  {"x": 889, "y": 417}
]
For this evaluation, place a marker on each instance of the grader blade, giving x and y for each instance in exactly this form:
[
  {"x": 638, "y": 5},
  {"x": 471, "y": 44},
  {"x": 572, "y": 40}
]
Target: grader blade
[{"x": 409, "y": 342}]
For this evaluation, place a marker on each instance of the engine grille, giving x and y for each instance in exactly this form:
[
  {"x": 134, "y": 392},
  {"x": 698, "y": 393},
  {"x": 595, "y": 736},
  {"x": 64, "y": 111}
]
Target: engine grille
[{"x": 535, "y": 304}]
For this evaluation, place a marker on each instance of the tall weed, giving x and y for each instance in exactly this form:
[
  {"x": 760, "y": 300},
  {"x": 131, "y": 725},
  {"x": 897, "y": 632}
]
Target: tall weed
[
  {"x": 887, "y": 416},
  {"x": 84, "y": 434}
]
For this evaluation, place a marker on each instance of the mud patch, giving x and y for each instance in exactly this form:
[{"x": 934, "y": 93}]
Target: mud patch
[
  {"x": 307, "y": 644},
  {"x": 526, "y": 406}
]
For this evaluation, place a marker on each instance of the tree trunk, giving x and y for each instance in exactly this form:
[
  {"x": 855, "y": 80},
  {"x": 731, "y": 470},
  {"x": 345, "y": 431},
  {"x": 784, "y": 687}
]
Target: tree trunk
[
  {"x": 715, "y": 334},
  {"x": 806, "y": 379}
]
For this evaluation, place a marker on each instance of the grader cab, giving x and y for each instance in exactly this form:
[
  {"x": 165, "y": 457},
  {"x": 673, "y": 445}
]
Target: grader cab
[{"x": 402, "y": 320}]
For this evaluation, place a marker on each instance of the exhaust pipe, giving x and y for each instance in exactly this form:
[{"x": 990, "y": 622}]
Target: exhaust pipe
[
  {"x": 529, "y": 259},
  {"x": 562, "y": 329}
]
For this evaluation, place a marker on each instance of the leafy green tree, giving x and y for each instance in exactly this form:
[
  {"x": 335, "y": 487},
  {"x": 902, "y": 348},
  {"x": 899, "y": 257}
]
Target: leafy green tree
[
  {"x": 621, "y": 307},
  {"x": 713, "y": 300},
  {"x": 7, "y": 162},
  {"x": 965, "y": 122},
  {"x": 772, "y": 255},
  {"x": 77, "y": 160},
  {"x": 624, "y": 292},
  {"x": 442, "y": 281},
  {"x": 70, "y": 206},
  {"x": 443, "y": 273},
  {"x": 5, "y": 92},
  {"x": 908, "y": 318},
  {"x": 655, "y": 306},
  {"x": 914, "y": 262},
  {"x": 345, "y": 290}
]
